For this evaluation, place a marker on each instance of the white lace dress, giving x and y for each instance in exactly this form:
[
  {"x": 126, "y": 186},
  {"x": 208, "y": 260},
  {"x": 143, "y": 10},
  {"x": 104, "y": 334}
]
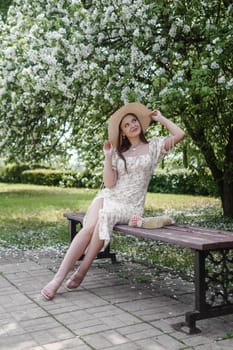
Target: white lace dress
[{"x": 128, "y": 196}]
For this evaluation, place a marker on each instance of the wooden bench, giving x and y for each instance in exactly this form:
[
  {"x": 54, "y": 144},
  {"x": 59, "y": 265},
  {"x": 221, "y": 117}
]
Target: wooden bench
[{"x": 213, "y": 264}]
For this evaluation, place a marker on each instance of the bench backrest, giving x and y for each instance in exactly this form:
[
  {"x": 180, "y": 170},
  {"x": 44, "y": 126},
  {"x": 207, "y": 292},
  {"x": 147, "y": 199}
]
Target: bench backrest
[{"x": 198, "y": 238}]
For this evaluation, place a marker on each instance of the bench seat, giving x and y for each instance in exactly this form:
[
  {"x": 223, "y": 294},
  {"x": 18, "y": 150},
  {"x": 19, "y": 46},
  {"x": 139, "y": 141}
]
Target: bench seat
[{"x": 183, "y": 235}]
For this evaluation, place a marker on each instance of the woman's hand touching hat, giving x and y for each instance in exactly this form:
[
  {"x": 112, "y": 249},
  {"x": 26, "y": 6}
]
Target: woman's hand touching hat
[{"x": 156, "y": 115}]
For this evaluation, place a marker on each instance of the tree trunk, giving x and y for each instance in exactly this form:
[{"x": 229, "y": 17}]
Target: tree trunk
[{"x": 227, "y": 197}]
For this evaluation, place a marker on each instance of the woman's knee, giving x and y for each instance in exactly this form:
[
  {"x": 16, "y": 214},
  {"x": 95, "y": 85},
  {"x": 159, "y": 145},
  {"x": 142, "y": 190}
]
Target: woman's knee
[{"x": 89, "y": 230}]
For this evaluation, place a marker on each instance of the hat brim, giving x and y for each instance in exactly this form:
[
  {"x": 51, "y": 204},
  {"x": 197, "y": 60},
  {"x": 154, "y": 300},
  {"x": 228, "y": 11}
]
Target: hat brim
[{"x": 142, "y": 113}]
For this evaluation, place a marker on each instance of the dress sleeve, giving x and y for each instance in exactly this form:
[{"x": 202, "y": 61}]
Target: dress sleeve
[
  {"x": 157, "y": 148},
  {"x": 114, "y": 159}
]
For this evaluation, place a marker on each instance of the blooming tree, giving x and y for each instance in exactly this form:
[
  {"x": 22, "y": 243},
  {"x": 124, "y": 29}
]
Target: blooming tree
[{"x": 66, "y": 65}]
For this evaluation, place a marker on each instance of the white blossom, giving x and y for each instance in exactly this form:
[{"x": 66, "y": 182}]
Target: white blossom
[
  {"x": 9, "y": 52},
  {"x": 185, "y": 63},
  {"x": 221, "y": 79},
  {"x": 156, "y": 47},
  {"x": 180, "y": 73},
  {"x": 164, "y": 60},
  {"x": 53, "y": 35},
  {"x": 2, "y": 91},
  {"x": 186, "y": 28},
  {"x": 161, "y": 40},
  {"x": 230, "y": 83},
  {"x": 164, "y": 91},
  {"x": 218, "y": 51},
  {"x": 122, "y": 69},
  {"x": 40, "y": 16},
  {"x": 124, "y": 94},
  {"x": 172, "y": 31},
  {"x": 215, "y": 40},
  {"x": 159, "y": 71},
  {"x": 214, "y": 65}
]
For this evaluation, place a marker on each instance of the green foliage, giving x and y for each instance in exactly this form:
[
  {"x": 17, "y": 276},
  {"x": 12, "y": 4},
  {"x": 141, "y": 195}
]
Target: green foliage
[
  {"x": 182, "y": 181},
  {"x": 61, "y": 178},
  {"x": 172, "y": 181},
  {"x": 43, "y": 177},
  {"x": 13, "y": 172},
  {"x": 40, "y": 175},
  {"x": 4, "y": 5}
]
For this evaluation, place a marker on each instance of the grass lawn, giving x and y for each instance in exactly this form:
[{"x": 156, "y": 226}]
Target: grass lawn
[{"x": 32, "y": 217}]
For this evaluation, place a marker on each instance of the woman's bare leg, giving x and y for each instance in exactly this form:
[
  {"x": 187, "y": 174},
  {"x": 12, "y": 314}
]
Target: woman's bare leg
[
  {"x": 94, "y": 247},
  {"x": 75, "y": 251}
]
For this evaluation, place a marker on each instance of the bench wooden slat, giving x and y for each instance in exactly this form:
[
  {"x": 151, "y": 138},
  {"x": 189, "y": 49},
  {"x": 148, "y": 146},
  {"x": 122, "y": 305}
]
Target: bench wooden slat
[{"x": 184, "y": 235}]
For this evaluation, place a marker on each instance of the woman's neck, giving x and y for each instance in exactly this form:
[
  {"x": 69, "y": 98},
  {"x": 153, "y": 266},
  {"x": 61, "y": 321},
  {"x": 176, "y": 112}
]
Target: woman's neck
[{"x": 135, "y": 141}]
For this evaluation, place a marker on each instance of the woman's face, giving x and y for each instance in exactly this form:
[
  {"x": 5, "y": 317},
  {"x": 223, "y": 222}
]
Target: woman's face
[{"x": 130, "y": 126}]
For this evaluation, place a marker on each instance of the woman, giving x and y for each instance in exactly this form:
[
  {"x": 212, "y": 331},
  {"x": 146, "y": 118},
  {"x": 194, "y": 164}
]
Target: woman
[{"x": 129, "y": 163}]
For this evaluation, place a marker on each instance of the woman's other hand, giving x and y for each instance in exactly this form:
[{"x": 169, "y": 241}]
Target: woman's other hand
[{"x": 107, "y": 148}]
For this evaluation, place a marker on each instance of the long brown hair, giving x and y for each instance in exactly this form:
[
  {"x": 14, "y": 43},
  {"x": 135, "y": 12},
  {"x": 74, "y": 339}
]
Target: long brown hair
[{"x": 123, "y": 143}]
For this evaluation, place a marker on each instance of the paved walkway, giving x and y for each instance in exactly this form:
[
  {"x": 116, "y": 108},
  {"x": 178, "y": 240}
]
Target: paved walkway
[{"x": 108, "y": 312}]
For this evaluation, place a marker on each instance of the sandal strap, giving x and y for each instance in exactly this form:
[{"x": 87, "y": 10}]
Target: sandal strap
[{"x": 77, "y": 277}]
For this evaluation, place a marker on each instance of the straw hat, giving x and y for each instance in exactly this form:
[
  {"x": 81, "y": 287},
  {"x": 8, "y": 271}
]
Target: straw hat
[{"x": 142, "y": 113}]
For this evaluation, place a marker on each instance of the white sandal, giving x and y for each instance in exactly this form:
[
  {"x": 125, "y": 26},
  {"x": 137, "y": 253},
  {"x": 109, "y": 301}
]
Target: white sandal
[
  {"x": 49, "y": 293},
  {"x": 74, "y": 281}
]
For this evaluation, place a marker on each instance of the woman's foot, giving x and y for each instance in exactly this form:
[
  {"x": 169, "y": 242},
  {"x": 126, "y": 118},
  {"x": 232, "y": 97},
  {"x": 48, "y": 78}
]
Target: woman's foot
[
  {"x": 136, "y": 221},
  {"x": 49, "y": 291},
  {"x": 74, "y": 281}
]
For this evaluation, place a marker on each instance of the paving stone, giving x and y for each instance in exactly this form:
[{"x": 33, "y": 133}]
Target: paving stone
[
  {"x": 152, "y": 309},
  {"x": 23, "y": 313},
  {"x": 107, "y": 312},
  {"x": 87, "y": 328},
  {"x": 105, "y": 339},
  {"x": 151, "y": 344},
  {"x": 144, "y": 334},
  {"x": 126, "y": 346},
  {"x": 50, "y": 335},
  {"x": 163, "y": 325},
  {"x": 18, "y": 342},
  {"x": 15, "y": 300},
  {"x": 40, "y": 324},
  {"x": 169, "y": 342},
  {"x": 118, "y": 294},
  {"x": 11, "y": 328},
  {"x": 69, "y": 344},
  {"x": 215, "y": 346},
  {"x": 84, "y": 299},
  {"x": 19, "y": 267},
  {"x": 195, "y": 340},
  {"x": 139, "y": 327}
]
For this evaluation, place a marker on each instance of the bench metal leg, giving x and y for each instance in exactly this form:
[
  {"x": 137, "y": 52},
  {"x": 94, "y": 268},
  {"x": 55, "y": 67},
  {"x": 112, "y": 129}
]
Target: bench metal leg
[
  {"x": 73, "y": 229},
  {"x": 102, "y": 255},
  {"x": 213, "y": 287}
]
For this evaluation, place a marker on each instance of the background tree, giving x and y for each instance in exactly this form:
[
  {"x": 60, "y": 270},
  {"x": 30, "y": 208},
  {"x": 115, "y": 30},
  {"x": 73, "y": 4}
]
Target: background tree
[{"x": 67, "y": 65}]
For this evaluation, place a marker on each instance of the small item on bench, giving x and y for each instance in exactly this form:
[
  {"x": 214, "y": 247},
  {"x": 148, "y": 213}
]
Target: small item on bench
[{"x": 150, "y": 222}]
